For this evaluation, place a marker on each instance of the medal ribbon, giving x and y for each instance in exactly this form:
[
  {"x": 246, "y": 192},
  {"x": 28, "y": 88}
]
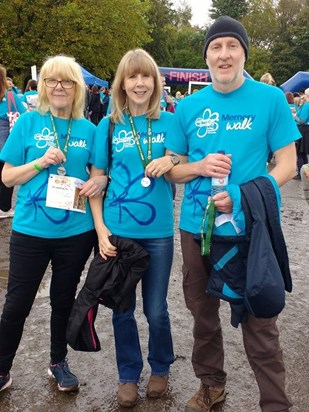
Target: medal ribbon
[
  {"x": 210, "y": 211},
  {"x": 137, "y": 141},
  {"x": 66, "y": 144}
]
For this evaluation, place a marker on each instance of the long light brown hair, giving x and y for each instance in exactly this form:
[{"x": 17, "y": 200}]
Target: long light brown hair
[{"x": 134, "y": 62}]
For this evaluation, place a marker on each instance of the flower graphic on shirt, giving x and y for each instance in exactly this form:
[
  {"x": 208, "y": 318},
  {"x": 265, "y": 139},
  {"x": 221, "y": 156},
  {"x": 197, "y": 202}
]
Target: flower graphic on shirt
[
  {"x": 123, "y": 140},
  {"x": 37, "y": 200},
  {"x": 44, "y": 139},
  {"x": 195, "y": 192},
  {"x": 208, "y": 124},
  {"x": 122, "y": 202}
]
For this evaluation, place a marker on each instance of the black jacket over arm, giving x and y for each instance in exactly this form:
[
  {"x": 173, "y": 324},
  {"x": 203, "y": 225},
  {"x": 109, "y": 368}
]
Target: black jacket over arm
[{"x": 110, "y": 282}]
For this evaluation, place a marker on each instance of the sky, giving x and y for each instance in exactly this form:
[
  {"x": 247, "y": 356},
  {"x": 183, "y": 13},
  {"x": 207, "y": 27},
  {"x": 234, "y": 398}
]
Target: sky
[{"x": 199, "y": 10}]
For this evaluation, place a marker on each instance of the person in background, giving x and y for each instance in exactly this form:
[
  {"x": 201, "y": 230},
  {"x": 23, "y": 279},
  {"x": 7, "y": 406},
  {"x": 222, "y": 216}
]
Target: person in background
[
  {"x": 203, "y": 124},
  {"x": 290, "y": 99},
  {"x": 30, "y": 97},
  {"x": 304, "y": 174},
  {"x": 104, "y": 96},
  {"x": 6, "y": 193},
  {"x": 267, "y": 78},
  {"x": 46, "y": 152},
  {"x": 302, "y": 119},
  {"x": 94, "y": 107},
  {"x": 11, "y": 86},
  {"x": 138, "y": 206},
  {"x": 178, "y": 97}
]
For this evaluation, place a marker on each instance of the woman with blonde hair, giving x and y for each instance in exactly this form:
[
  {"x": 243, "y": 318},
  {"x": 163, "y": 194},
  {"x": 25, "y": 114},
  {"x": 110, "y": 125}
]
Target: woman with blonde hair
[
  {"x": 268, "y": 79},
  {"x": 47, "y": 154},
  {"x": 138, "y": 206}
]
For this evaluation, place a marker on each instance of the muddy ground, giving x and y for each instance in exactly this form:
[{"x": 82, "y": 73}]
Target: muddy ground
[{"x": 32, "y": 391}]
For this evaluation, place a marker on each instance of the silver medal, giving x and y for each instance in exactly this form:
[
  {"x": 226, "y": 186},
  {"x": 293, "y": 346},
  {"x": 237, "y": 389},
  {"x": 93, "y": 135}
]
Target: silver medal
[
  {"x": 61, "y": 171},
  {"x": 145, "y": 182}
]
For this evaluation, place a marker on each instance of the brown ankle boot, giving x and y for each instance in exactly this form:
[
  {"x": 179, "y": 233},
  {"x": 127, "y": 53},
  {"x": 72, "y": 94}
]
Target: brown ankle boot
[
  {"x": 205, "y": 398},
  {"x": 157, "y": 386},
  {"x": 127, "y": 395}
]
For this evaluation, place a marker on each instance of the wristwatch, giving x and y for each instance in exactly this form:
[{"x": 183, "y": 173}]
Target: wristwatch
[{"x": 174, "y": 159}]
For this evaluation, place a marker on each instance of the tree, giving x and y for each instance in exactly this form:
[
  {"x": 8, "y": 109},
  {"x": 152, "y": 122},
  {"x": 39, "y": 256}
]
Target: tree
[
  {"x": 96, "y": 32},
  {"x": 290, "y": 51},
  {"x": 233, "y": 8},
  {"x": 162, "y": 19}
]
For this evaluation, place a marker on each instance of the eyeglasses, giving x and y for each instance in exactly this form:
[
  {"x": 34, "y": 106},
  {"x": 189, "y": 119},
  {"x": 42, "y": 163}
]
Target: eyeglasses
[{"x": 65, "y": 84}]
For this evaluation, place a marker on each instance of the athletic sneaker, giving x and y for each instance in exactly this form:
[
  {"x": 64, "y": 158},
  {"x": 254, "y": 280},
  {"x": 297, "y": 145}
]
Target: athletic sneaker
[
  {"x": 5, "y": 382},
  {"x": 66, "y": 380},
  {"x": 9, "y": 213}
]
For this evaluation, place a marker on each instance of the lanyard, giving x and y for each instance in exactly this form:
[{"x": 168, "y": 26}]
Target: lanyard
[
  {"x": 66, "y": 144},
  {"x": 137, "y": 141},
  {"x": 210, "y": 211}
]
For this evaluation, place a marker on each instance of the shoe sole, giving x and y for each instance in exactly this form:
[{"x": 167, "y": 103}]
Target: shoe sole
[
  {"x": 157, "y": 395},
  {"x": 9, "y": 383},
  {"x": 127, "y": 404},
  {"x": 218, "y": 400},
  {"x": 73, "y": 388}
]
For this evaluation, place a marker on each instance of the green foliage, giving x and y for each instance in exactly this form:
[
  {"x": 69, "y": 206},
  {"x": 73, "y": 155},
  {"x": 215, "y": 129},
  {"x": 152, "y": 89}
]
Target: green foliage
[
  {"x": 233, "y": 8},
  {"x": 188, "y": 48},
  {"x": 161, "y": 18},
  {"x": 98, "y": 32}
]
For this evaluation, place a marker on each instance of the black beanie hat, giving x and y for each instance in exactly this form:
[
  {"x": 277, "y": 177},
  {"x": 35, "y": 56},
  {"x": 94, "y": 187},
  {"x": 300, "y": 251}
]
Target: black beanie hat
[{"x": 226, "y": 26}]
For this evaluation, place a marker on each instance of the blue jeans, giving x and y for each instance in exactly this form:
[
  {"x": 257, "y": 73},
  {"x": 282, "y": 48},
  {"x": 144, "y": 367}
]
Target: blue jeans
[{"x": 154, "y": 285}]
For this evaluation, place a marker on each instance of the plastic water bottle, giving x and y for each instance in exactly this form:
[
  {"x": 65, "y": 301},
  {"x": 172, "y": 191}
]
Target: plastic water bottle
[{"x": 218, "y": 184}]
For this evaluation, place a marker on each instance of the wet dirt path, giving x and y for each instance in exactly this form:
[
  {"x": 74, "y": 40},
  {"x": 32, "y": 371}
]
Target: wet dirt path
[{"x": 32, "y": 391}]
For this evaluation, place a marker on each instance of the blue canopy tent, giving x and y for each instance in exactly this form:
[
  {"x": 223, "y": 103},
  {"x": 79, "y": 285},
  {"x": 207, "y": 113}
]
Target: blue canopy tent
[
  {"x": 91, "y": 79},
  {"x": 297, "y": 83}
]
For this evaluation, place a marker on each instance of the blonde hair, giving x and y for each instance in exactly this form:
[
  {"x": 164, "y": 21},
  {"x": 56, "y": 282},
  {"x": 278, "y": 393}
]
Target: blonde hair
[
  {"x": 133, "y": 62},
  {"x": 268, "y": 79},
  {"x": 66, "y": 68}
]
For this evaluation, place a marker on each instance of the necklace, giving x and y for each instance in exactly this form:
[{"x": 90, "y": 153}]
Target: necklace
[
  {"x": 61, "y": 169},
  {"x": 145, "y": 182}
]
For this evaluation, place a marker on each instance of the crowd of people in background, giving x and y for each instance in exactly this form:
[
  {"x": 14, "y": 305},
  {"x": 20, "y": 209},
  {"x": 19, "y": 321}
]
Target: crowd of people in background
[{"x": 135, "y": 141}]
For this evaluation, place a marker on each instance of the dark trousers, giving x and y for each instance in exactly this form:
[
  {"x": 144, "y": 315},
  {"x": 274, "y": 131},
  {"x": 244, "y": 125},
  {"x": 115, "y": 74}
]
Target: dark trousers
[
  {"x": 29, "y": 258},
  {"x": 6, "y": 193},
  {"x": 260, "y": 336}
]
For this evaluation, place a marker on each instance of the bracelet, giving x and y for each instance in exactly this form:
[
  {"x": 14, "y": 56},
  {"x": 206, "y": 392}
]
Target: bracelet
[{"x": 37, "y": 167}]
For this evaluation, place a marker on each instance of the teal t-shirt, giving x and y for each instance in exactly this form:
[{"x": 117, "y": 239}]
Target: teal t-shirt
[
  {"x": 303, "y": 113},
  {"x": 131, "y": 210},
  {"x": 30, "y": 138},
  {"x": 246, "y": 123},
  {"x": 30, "y": 99},
  {"x": 4, "y": 106}
]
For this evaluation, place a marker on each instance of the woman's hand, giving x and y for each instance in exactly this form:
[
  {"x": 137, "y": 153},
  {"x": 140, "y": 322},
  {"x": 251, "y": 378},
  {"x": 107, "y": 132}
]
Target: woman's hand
[
  {"x": 52, "y": 156},
  {"x": 158, "y": 167},
  {"x": 94, "y": 186},
  {"x": 105, "y": 247}
]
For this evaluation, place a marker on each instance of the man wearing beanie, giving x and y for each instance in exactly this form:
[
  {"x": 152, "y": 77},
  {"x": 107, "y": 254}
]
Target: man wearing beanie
[{"x": 243, "y": 120}]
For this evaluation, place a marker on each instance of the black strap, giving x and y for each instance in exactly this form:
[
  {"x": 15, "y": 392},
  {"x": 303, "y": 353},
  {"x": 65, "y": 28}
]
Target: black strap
[{"x": 111, "y": 127}]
